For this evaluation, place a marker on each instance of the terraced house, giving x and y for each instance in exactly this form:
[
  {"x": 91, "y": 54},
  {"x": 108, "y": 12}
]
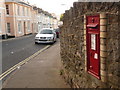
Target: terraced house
[
  {"x": 18, "y": 18},
  {"x": 2, "y": 18},
  {"x": 46, "y": 20}
]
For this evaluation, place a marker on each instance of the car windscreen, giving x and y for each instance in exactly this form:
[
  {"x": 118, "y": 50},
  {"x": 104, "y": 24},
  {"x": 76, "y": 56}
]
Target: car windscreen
[{"x": 46, "y": 32}]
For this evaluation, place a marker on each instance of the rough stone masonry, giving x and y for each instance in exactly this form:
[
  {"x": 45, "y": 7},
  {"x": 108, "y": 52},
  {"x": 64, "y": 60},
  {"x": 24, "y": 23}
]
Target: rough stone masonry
[{"x": 73, "y": 45}]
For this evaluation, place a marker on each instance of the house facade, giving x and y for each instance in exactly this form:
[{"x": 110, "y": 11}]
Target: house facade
[
  {"x": 55, "y": 23},
  {"x": 18, "y": 18},
  {"x": 34, "y": 23},
  {"x": 2, "y": 18},
  {"x": 46, "y": 20}
]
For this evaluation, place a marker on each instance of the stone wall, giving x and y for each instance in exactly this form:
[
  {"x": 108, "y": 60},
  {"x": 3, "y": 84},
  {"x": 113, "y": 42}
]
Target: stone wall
[{"x": 73, "y": 45}]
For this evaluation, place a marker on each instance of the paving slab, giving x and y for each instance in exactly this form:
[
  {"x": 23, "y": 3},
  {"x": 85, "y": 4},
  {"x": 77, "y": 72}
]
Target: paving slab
[{"x": 43, "y": 71}]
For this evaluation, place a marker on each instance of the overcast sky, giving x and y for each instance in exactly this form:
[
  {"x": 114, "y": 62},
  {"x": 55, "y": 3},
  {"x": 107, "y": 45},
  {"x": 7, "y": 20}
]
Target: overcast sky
[{"x": 53, "y": 6}]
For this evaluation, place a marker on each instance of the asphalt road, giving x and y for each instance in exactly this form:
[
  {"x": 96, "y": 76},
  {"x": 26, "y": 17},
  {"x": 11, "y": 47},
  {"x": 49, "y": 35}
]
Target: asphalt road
[
  {"x": 42, "y": 72},
  {"x": 16, "y": 50}
]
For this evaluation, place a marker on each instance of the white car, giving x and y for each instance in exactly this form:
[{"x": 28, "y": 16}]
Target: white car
[{"x": 46, "y": 35}]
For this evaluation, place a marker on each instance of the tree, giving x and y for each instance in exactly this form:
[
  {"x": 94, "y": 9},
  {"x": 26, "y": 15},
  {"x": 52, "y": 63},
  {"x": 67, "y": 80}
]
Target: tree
[{"x": 61, "y": 17}]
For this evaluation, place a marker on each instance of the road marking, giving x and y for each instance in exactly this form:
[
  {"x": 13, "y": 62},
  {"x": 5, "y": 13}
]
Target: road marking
[{"x": 3, "y": 75}]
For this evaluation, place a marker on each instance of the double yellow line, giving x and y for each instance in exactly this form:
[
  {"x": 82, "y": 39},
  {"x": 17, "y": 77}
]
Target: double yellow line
[{"x": 3, "y": 75}]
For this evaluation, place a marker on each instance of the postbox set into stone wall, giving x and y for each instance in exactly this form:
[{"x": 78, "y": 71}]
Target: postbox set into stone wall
[{"x": 90, "y": 45}]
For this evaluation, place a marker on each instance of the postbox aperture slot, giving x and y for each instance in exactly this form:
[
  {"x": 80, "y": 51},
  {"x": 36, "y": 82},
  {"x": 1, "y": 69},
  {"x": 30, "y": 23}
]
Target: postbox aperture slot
[{"x": 92, "y": 25}]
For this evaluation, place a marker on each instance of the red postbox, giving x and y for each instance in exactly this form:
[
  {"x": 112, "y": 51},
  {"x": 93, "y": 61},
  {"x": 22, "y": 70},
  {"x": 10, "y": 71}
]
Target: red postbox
[{"x": 93, "y": 45}]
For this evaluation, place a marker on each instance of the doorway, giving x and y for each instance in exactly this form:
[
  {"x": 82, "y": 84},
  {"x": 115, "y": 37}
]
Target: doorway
[{"x": 24, "y": 28}]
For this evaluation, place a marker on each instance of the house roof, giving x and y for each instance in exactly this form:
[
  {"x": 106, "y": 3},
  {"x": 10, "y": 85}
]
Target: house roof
[{"x": 19, "y": 1}]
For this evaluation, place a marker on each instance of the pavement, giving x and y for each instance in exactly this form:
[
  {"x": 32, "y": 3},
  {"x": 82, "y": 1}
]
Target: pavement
[{"x": 43, "y": 71}]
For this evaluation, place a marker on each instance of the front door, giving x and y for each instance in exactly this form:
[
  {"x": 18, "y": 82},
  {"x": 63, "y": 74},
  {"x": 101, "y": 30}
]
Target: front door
[{"x": 24, "y": 28}]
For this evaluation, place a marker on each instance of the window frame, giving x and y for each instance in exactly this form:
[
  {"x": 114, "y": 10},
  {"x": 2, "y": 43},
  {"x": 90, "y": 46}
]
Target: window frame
[
  {"x": 7, "y": 10},
  {"x": 19, "y": 27},
  {"x": 28, "y": 26},
  {"x": 23, "y": 11},
  {"x": 27, "y": 11},
  {"x": 18, "y": 10},
  {"x": 8, "y": 27}
]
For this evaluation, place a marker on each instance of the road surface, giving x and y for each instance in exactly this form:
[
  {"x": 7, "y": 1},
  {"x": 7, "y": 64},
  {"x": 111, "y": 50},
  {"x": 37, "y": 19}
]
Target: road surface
[{"x": 16, "y": 50}]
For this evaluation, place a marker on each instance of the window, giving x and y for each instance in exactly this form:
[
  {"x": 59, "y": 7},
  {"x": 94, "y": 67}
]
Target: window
[
  {"x": 7, "y": 9},
  {"x": 27, "y": 12},
  {"x": 18, "y": 10},
  {"x": 23, "y": 11},
  {"x": 8, "y": 27},
  {"x": 28, "y": 25},
  {"x": 19, "y": 27}
]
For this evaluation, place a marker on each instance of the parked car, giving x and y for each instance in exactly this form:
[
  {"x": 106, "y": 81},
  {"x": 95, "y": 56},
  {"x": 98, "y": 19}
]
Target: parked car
[
  {"x": 57, "y": 32},
  {"x": 46, "y": 35}
]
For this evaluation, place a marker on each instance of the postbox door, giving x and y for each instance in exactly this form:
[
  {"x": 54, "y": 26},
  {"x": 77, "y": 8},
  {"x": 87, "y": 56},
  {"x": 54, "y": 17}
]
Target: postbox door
[
  {"x": 93, "y": 45},
  {"x": 93, "y": 54}
]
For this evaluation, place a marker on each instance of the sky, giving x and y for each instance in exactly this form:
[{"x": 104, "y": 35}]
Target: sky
[{"x": 53, "y": 6}]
